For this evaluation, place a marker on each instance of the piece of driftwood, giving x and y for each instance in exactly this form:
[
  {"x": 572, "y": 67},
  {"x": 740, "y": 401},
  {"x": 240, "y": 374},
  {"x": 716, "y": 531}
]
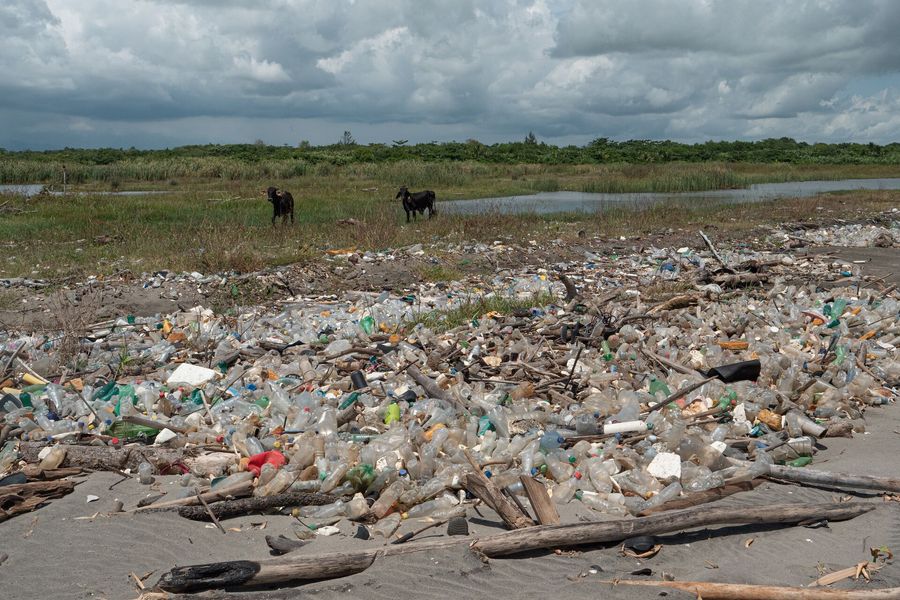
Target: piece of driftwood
[
  {"x": 484, "y": 489},
  {"x": 864, "y": 568},
  {"x": 237, "y": 490},
  {"x": 339, "y": 564},
  {"x": 21, "y": 498},
  {"x": 107, "y": 458},
  {"x": 714, "y": 251},
  {"x": 227, "y": 509},
  {"x": 543, "y": 506},
  {"x": 145, "y": 422},
  {"x": 704, "y": 497},
  {"x": 670, "y": 363},
  {"x": 739, "y": 591},
  {"x": 35, "y": 473},
  {"x": 210, "y": 513},
  {"x": 431, "y": 388},
  {"x": 681, "y": 393},
  {"x": 680, "y": 301},
  {"x": 838, "y": 480}
]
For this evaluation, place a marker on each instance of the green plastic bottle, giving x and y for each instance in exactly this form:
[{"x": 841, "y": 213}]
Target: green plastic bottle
[
  {"x": 367, "y": 324},
  {"x": 393, "y": 413},
  {"x": 348, "y": 402}
]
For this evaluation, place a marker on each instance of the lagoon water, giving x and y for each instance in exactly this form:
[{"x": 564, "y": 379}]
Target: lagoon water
[
  {"x": 33, "y": 189},
  {"x": 560, "y": 202}
]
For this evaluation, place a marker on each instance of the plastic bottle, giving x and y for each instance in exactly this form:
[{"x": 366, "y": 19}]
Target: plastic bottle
[
  {"x": 564, "y": 492},
  {"x": 336, "y": 509},
  {"x": 429, "y": 507},
  {"x": 145, "y": 473},
  {"x": 334, "y": 478},
  {"x": 551, "y": 440},
  {"x": 54, "y": 458},
  {"x": 387, "y": 526},
  {"x": 387, "y": 498}
]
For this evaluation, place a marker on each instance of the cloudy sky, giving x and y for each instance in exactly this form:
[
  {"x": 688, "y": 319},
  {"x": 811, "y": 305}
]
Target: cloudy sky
[{"x": 157, "y": 73}]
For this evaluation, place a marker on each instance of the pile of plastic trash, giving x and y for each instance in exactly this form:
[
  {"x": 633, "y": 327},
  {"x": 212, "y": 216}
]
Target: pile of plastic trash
[{"x": 348, "y": 397}]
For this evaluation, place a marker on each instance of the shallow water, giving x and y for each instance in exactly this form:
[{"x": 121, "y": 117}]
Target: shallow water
[
  {"x": 554, "y": 202},
  {"x": 33, "y": 189}
]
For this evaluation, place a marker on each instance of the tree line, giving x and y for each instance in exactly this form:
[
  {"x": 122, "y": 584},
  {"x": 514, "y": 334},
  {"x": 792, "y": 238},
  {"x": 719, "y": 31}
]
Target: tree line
[{"x": 600, "y": 150}]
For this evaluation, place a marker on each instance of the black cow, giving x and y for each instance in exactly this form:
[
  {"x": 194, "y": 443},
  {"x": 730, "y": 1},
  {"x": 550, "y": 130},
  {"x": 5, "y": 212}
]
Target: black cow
[
  {"x": 417, "y": 201},
  {"x": 282, "y": 205}
]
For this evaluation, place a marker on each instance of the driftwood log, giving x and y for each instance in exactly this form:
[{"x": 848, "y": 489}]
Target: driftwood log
[
  {"x": 543, "y": 506},
  {"x": 734, "y": 591},
  {"x": 484, "y": 489},
  {"x": 107, "y": 458},
  {"x": 227, "y": 509},
  {"x": 339, "y": 564},
  {"x": 704, "y": 497},
  {"x": 837, "y": 480},
  {"x": 21, "y": 498},
  {"x": 237, "y": 490}
]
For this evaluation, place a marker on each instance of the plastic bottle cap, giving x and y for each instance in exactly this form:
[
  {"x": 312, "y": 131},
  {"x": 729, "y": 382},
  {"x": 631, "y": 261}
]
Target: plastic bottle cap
[
  {"x": 577, "y": 475},
  {"x": 115, "y": 440},
  {"x": 488, "y": 474}
]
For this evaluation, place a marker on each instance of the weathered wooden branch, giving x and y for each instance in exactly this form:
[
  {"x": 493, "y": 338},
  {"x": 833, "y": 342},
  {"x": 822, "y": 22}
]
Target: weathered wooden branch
[
  {"x": 227, "y": 509},
  {"x": 242, "y": 488},
  {"x": 681, "y": 393},
  {"x": 18, "y": 498},
  {"x": 484, "y": 489},
  {"x": 704, "y": 497},
  {"x": 840, "y": 480},
  {"x": 106, "y": 458},
  {"x": 714, "y": 251},
  {"x": 431, "y": 388},
  {"x": 681, "y": 301},
  {"x": 543, "y": 506},
  {"x": 739, "y": 591},
  {"x": 339, "y": 564},
  {"x": 670, "y": 363}
]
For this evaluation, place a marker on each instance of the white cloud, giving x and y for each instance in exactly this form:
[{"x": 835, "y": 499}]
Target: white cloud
[
  {"x": 567, "y": 69},
  {"x": 260, "y": 70}
]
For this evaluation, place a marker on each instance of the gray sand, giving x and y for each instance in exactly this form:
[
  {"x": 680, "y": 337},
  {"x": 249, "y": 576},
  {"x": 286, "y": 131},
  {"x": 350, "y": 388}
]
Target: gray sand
[{"x": 54, "y": 554}]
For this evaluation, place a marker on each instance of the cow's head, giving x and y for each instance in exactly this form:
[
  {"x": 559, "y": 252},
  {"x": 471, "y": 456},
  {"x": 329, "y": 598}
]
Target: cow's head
[{"x": 272, "y": 194}]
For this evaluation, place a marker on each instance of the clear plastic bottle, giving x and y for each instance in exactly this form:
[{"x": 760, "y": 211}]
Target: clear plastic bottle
[
  {"x": 54, "y": 458},
  {"x": 387, "y": 499},
  {"x": 145, "y": 473}
]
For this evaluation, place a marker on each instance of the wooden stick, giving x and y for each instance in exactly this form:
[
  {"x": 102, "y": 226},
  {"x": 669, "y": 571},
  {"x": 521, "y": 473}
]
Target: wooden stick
[
  {"x": 840, "y": 480},
  {"x": 145, "y": 422},
  {"x": 210, "y": 513},
  {"x": 682, "y": 392},
  {"x": 339, "y": 564},
  {"x": 242, "y": 488},
  {"x": 543, "y": 506},
  {"x": 408, "y": 536},
  {"x": 714, "y": 251},
  {"x": 227, "y": 509},
  {"x": 710, "y": 495},
  {"x": 484, "y": 489},
  {"x": 431, "y": 388},
  {"x": 669, "y": 363},
  {"x": 735, "y": 591}
]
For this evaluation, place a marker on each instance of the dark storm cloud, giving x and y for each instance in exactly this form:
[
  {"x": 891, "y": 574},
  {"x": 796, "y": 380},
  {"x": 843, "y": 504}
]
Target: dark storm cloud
[{"x": 166, "y": 72}]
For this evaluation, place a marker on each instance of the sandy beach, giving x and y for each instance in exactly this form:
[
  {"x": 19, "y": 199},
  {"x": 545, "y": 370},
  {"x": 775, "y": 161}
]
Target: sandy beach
[{"x": 74, "y": 549}]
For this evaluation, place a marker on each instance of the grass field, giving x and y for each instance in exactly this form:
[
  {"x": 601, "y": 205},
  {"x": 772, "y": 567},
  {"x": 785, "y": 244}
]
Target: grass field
[{"x": 217, "y": 225}]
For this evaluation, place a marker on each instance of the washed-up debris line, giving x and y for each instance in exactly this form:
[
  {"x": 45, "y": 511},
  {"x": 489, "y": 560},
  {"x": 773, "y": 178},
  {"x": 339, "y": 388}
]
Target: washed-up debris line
[{"x": 656, "y": 380}]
